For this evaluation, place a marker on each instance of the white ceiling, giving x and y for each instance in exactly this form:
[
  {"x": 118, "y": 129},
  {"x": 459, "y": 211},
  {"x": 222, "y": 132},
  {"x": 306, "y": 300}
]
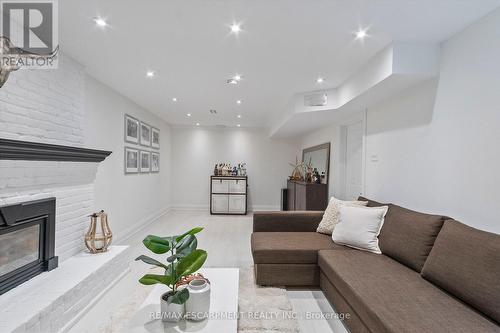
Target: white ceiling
[{"x": 284, "y": 46}]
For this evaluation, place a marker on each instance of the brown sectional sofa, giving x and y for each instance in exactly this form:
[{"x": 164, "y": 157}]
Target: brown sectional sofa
[{"x": 435, "y": 274}]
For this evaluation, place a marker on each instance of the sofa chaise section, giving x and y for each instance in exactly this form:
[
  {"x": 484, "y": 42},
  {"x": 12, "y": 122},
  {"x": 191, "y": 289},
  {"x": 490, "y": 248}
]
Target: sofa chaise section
[
  {"x": 384, "y": 296},
  {"x": 285, "y": 248}
]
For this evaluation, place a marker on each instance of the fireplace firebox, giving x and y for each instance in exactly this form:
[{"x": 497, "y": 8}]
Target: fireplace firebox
[{"x": 27, "y": 241}]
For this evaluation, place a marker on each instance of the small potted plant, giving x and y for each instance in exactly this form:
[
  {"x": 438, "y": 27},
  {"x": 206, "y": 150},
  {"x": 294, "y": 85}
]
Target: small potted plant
[{"x": 183, "y": 259}]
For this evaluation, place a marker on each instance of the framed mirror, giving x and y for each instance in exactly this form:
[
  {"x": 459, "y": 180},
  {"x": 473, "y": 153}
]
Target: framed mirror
[{"x": 319, "y": 156}]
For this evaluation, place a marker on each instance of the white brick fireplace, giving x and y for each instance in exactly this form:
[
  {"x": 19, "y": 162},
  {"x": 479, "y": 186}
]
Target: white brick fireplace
[
  {"x": 47, "y": 106},
  {"x": 71, "y": 183}
]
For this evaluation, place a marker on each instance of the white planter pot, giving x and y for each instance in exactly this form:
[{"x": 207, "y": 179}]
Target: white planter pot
[
  {"x": 198, "y": 304},
  {"x": 170, "y": 312}
]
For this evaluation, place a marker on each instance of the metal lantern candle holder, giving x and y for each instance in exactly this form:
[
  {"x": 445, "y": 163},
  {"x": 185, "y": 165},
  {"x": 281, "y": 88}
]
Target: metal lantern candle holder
[{"x": 98, "y": 241}]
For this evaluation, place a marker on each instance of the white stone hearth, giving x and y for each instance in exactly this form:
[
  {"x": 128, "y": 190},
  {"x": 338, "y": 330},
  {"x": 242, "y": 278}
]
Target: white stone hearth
[{"x": 53, "y": 301}]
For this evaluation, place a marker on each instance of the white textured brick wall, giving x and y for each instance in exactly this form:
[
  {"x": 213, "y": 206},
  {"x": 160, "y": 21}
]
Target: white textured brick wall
[
  {"x": 48, "y": 106},
  {"x": 44, "y": 105},
  {"x": 70, "y": 182}
]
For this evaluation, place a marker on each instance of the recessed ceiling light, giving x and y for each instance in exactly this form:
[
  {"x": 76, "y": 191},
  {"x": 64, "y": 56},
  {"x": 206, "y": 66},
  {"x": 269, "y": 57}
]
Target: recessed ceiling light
[
  {"x": 235, "y": 28},
  {"x": 238, "y": 125},
  {"x": 100, "y": 22},
  {"x": 361, "y": 34},
  {"x": 235, "y": 79},
  {"x": 197, "y": 124},
  {"x": 238, "y": 101},
  {"x": 320, "y": 80},
  {"x": 174, "y": 99},
  {"x": 150, "y": 74},
  {"x": 239, "y": 116},
  {"x": 188, "y": 114}
]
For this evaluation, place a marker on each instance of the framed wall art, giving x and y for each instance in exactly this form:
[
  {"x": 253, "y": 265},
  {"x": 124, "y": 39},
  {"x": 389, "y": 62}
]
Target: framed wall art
[
  {"x": 131, "y": 129},
  {"x": 131, "y": 160},
  {"x": 145, "y": 134},
  {"x": 155, "y": 162},
  {"x": 145, "y": 164},
  {"x": 155, "y": 137}
]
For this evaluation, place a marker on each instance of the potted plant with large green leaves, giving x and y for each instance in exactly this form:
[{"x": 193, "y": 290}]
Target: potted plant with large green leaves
[{"x": 183, "y": 259}]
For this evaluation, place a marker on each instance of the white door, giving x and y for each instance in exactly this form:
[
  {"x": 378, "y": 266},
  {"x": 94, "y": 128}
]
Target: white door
[{"x": 354, "y": 160}]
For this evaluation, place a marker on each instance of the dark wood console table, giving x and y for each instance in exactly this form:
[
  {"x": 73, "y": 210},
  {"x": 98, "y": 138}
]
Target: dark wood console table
[{"x": 307, "y": 196}]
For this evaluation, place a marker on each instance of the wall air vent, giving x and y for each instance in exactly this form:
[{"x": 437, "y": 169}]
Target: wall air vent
[{"x": 316, "y": 99}]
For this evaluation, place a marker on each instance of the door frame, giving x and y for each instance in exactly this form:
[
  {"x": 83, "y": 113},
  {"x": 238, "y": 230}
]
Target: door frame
[{"x": 360, "y": 118}]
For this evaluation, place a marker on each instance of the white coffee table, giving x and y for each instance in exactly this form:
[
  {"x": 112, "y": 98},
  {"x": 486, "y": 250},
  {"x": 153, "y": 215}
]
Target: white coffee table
[{"x": 223, "y": 307}]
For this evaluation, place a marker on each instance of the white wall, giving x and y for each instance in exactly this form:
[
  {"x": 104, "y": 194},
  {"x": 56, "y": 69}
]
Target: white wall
[
  {"x": 437, "y": 145},
  {"x": 196, "y": 150},
  {"x": 134, "y": 199}
]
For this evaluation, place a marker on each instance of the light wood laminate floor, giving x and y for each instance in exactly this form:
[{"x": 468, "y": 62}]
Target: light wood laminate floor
[{"x": 227, "y": 241}]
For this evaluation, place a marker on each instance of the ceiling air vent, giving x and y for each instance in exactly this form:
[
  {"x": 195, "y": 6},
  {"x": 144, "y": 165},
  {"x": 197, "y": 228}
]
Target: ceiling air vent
[
  {"x": 212, "y": 111},
  {"x": 220, "y": 126},
  {"x": 316, "y": 99}
]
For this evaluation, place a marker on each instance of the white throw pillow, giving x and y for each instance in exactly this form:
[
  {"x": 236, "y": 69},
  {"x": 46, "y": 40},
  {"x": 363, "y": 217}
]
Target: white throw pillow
[
  {"x": 359, "y": 227},
  {"x": 331, "y": 215}
]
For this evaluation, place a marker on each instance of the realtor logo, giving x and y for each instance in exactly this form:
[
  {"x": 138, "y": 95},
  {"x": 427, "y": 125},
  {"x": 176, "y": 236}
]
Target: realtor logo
[
  {"x": 30, "y": 25},
  {"x": 28, "y": 36}
]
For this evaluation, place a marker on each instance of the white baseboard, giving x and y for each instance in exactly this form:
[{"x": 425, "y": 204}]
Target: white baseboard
[
  {"x": 191, "y": 208},
  {"x": 265, "y": 208},
  {"x": 206, "y": 208},
  {"x": 121, "y": 237}
]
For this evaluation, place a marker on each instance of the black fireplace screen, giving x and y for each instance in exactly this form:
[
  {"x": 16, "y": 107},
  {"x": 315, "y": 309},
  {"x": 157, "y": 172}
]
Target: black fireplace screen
[{"x": 27, "y": 239}]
